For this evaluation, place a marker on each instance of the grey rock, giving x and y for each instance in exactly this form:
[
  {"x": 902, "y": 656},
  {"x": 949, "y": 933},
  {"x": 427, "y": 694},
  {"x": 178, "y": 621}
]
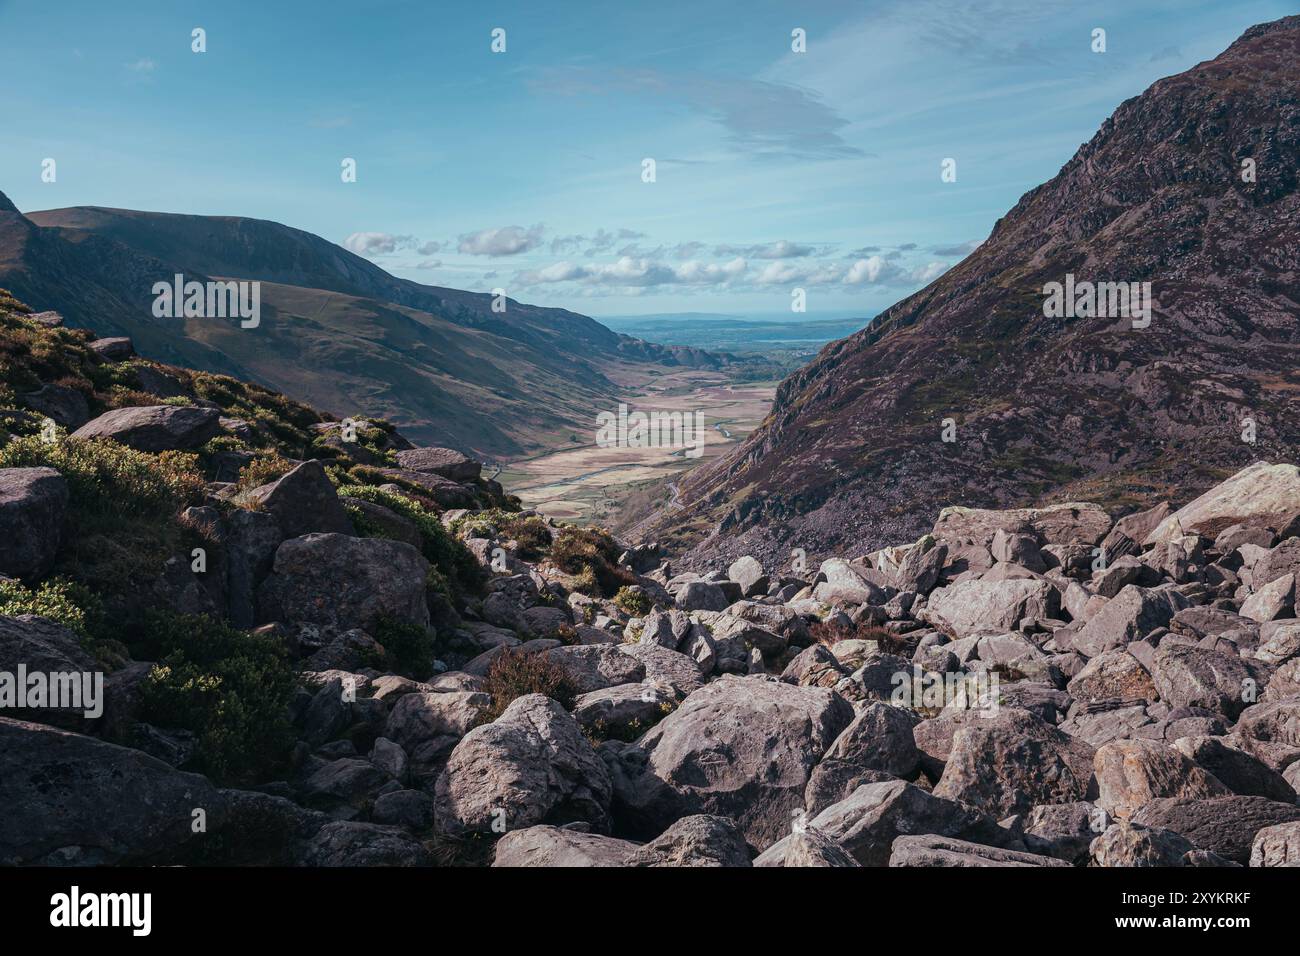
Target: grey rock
[
  {"x": 1133, "y": 773},
  {"x": 700, "y": 840},
  {"x": 348, "y": 843},
  {"x": 448, "y": 463},
  {"x": 531, "y": 765},
  {"x": 930, "y": 850},
  {"x": 345, "y": 582},
  {"x": 55, "y": 786},
  {"x": 1224, "y": 825},
  {"x": 303, "y": 502},
  {"x": 155, "y": 428},
  {"x": 550, "y": 846},
  {"x": 33, "y": 504}
]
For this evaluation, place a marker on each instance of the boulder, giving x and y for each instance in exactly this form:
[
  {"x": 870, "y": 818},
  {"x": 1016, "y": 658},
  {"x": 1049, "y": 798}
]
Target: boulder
[
  {"x": 1259, "y": 495},
  {"x": 877, "y": 745},
  {"x": 1010, "y": 762},
  {"x": 250, "y": 543},
  {"x": 33, "y": 504},
  {"x": 531, "y": 765},
  {"x": 448, "y": 463},
  {"x": 1129, "y": 616},
  {"x": 63, "y": 405},
  {"x": 1237, "y": 770},
  {"x": 1133, "y": 773},
  {"x": 348, "y": 843},
  {"x": 977, "y": 605},
  {"x": 1272, "y": 601},
  {"x": 1126, "y": 844},
  {"x": 844, "y": 584},
  {"x": 806, "y": 847},
  {"x": 739, "y": 747},
  {"x": 548, "y": 846},
  {"x": 699, "y": 840},
  {"x": 867, "y": 823},
  {"x": 1271, "y": 731},
  {"x": 1112, "y": 675},
  {"x": 155, "y": 428},
  {"x": 303, "y": 502},
  {"x": 1064, "y": 830},
  {"x": 56, "y": 788},
  {"x": 112, "y": 349},
  {"x": 1277, "y": 845},
  {"x": 624, "y": 712},
  {"x": 389, "y": 523},
  {"x": 749, "y": 574},
  {"x": 1017, "y": 548},
  {"x": 667, "y": 668},
  {"x": 345, "y": 582},
  {"x": 701, "y": 596},
  {"x": 1277, "y": 563},
  {"x": 411, "y": 809},
  {"x": 1224, "y": 825},
  {"x": 931, "y": 850},
  {"x": 1188, "y": 675},
  {"x": 594, "y": 667}
]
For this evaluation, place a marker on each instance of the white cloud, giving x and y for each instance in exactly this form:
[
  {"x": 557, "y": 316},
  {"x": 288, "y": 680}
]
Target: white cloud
[{"x": 503, "y": 241}]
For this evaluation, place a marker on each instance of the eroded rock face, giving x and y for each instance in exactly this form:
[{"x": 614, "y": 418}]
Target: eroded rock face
[
  {"x": 742, "y": 748},
  {"x": 531, "y": 765},
  {"x": 33, "y": 503},
  {"x": 155, "y": 428}
]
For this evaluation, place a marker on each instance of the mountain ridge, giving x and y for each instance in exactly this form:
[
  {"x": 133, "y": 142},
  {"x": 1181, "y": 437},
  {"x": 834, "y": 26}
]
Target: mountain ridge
[{"x": 852, "y": 456}]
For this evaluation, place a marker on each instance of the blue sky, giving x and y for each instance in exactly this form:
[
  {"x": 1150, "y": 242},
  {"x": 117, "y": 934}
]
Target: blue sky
[{"x": 523, "y": 169}]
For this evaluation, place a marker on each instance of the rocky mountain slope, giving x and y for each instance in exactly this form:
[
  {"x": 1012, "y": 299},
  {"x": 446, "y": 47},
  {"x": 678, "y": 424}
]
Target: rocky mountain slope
[
  {"x": 337, "y": 330},
  {"x": 853, "y": 453},
  {"x": 322, "y": 646}
]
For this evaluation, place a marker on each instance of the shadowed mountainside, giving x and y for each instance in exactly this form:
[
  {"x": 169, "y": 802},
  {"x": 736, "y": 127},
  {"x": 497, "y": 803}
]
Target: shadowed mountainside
[{"x": 1094, "y": 408}]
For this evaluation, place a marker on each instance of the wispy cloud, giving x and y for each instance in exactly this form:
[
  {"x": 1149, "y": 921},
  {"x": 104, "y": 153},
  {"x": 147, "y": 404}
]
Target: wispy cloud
[{"x": 760, "y": 118}]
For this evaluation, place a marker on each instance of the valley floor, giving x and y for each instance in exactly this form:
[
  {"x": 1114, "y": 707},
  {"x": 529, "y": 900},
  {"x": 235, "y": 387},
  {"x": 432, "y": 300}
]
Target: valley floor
[{"x": 583, "y": 482}]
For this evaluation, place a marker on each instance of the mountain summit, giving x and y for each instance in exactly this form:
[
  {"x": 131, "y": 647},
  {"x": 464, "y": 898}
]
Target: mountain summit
[{"x": 1190, "y": 187}]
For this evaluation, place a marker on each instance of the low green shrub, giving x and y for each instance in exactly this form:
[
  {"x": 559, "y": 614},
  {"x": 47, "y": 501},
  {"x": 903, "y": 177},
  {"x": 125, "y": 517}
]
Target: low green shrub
[{"x": 230, "y": 688}]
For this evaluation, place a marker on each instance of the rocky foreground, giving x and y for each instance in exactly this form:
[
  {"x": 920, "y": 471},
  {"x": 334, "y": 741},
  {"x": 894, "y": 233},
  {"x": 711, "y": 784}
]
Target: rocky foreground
[{"x": 1048, "y": 687}]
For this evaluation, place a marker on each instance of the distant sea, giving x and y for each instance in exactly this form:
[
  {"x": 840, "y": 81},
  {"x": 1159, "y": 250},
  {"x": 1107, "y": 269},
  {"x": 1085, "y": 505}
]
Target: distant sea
[{"x": 735, "y": 333}]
